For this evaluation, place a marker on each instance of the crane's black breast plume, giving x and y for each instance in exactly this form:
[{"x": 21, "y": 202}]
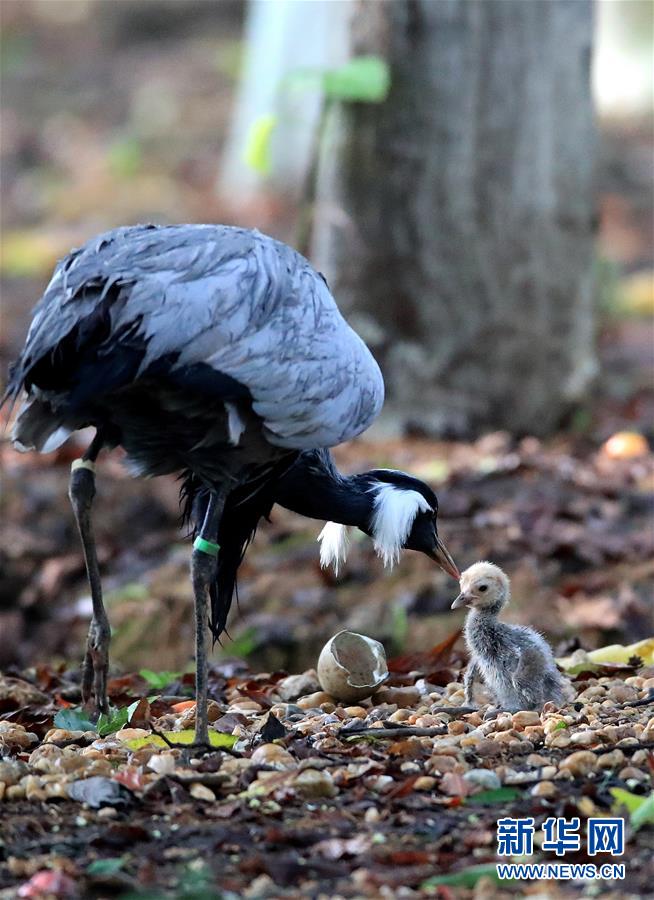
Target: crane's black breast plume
[{"x": 244, "y": 508}]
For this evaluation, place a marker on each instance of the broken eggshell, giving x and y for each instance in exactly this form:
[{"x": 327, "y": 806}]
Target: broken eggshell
[{"x": 351, "y": 666}]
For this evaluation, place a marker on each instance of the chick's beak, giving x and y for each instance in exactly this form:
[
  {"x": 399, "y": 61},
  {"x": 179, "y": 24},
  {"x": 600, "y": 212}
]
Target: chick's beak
[
  {"x": 461, "y": 600},
  {"x": 440, "y": 555}
]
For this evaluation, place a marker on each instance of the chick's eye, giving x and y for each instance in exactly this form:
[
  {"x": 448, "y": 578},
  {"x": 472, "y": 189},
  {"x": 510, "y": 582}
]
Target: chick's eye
[{"x": 483, "y": 587}]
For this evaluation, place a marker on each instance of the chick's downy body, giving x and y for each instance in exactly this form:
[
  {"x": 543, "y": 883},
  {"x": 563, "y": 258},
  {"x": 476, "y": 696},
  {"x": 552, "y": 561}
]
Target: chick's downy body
[{"x": 514, "y": 661}]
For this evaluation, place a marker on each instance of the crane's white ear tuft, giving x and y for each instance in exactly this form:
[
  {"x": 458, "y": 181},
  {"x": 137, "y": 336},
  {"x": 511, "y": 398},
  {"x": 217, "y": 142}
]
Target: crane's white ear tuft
[
  {"x": 334, "y": 545},
  {"x": 395, "y": 511}
]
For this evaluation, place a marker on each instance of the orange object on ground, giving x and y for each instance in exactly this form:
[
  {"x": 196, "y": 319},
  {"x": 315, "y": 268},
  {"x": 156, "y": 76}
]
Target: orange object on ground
[{"x": 183, "y": 705}]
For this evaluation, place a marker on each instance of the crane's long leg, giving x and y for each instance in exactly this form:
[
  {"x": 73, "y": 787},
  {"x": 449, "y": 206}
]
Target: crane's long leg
[
  {"x": 203, "y": 571},
  {"x": 96, "y": 661}
]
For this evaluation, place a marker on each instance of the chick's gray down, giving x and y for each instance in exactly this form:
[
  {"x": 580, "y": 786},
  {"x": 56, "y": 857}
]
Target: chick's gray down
[{"x": 514, "y": 661}]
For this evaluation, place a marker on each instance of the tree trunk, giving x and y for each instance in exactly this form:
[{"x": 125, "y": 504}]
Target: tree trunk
[{"x": 463, "y": 251}]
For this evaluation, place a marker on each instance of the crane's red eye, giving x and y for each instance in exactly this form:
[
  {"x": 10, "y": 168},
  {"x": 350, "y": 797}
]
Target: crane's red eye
[{"x": 483, "y": 587}]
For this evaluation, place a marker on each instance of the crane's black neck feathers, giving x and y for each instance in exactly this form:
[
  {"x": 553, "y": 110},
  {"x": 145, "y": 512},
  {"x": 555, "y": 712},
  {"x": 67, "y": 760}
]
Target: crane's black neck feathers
[{"x": 307, "y": 483}]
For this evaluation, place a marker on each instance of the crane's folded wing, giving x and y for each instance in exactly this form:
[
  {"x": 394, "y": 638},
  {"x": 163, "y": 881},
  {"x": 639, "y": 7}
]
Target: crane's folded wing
[{"x": 250, "y": 308}]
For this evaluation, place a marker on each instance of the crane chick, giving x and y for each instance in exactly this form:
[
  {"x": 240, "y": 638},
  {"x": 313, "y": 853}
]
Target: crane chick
[{"x": 514, "y": 661}]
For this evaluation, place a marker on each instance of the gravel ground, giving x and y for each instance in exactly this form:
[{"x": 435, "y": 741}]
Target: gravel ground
[{"x": 311, "y": 798}]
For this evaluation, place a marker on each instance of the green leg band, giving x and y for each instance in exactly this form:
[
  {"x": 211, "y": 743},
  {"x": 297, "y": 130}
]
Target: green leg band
[{"x": 207, "y": 547}]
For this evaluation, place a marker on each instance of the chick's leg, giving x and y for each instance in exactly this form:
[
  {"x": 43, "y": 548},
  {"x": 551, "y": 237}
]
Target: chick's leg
[
  {"x": 96, "y": 661},
  {"x": 472, "y": 673},
  {"x": 527, "y": 681}
]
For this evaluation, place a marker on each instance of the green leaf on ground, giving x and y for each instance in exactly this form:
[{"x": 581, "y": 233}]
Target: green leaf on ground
[
  {"x": 113, "y": 721},
  {"x": 216, "y": 739},
  {"x": 364, "y": 79},
  {"x": 73, "y": 719},
  {"x": 106, "y": 866},
  {"x": 159, "y": 680},
  {"x": 497, "y": 795},
  {"x": 639, "y": 807},
  {"x": 465, "y": 878}
]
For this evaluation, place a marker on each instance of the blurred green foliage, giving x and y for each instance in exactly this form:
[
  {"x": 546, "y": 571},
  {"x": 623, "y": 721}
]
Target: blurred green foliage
[{"x": 364, "y": 79}]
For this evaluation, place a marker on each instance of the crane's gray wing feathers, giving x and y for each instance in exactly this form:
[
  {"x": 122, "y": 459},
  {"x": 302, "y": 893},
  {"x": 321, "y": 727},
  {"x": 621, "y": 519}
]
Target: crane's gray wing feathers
[{"x": 246, "y": 305}]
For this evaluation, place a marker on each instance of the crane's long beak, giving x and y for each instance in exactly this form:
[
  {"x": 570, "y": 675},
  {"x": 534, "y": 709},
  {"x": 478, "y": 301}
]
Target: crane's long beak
[{"x": 440, "y": 554}]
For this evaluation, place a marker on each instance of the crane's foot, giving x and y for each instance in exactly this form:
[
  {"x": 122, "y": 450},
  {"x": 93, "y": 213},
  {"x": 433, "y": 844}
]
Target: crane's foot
[{"x": 96, "y": 667}]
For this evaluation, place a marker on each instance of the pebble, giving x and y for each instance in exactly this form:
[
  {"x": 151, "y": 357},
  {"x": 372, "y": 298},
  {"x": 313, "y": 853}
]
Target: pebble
[
  {"x": 162, "y": 763},
  {"x": 580, "y": 763},
  {"x": 132, "y": 734},
  {"x": 400, "y": 715},
  {"x": 583, "y": 738},
  {"x": 586, "y": 807},
  {"x": 514, "y": 778},
  {"x": 355, "y": 712},
  {"x": 273, "y": 755},
  {"x": 15, "y": 792},
  {"x": 559, "y": 739},
  {"x": 33, "y": 788},
  {"x": 623, "y": 693},
  {"x": 630, "y": 772},
  {"x": 535, "y": 759},
  {"x": 316, "y": 700},
  {"x": 557, "y": 723},
  {"x": 11, "y": 771},
  {"x": 504, "y": 737},
  {"x": 402, "y": 696},
  {"x": 15, "y": 736},
  {"x": 640, "y": 758},
  {"x": 486, "y": 779},
  {"x": 610, "y": 760},
  {"x": 201, "y": 792},
  {"x": 243, "y": 705},
  {"x": 591, "y": 693},
  {"x": 294, "y": 686},
  {"x": 544, "y": 789},
  {"x": 534, "y": 732},
  {"x": 525, "y": 717},
  {"x": 380, "y": 784},
  {"x": 430, "y": 722},
  {"x": 313, "y": 784},
  {"x": 454, "y": 727},
  {"x": 486, "y": 748},
  {"x": 107, "y": 812},
  {"x": 57, "y": 791},
  {"x": 473, "y": 719},
  {"x": 440, "y": 764},
  {"x": 286, "y": 710},
  {"x": 62, "y": 736},
  {"x": 424, "y": 783}
]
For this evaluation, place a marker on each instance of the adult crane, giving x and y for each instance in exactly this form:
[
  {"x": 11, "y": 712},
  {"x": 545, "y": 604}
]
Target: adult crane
[{"x": 220, "y": 354}]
